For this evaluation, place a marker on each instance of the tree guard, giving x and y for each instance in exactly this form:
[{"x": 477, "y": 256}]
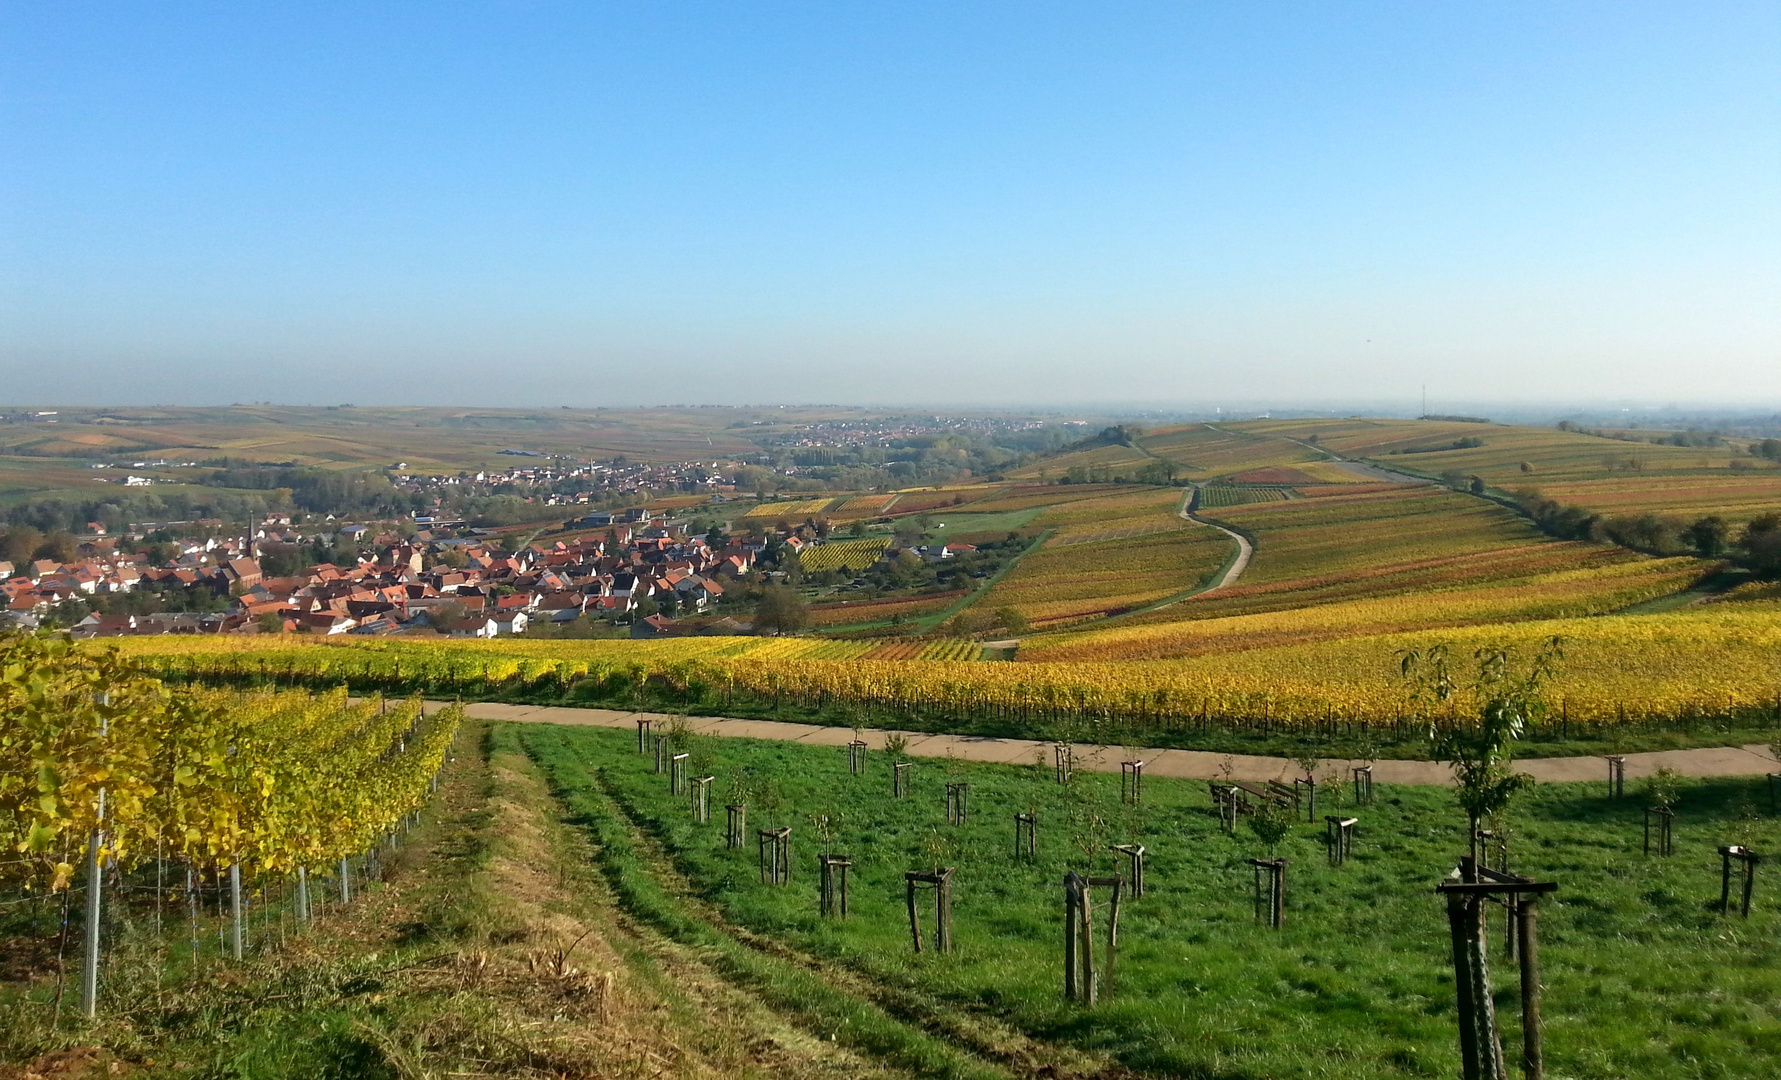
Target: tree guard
[
  {"x": 642, "y": 735},
  {"x": 1081, "y": 981},
  {"x": 1273, "y": 871},
  {"x": 1363, "y": 784},
  {"x": 1616, "y": 776},
  {"x": 1338, "y": 835},
  {"x": 1467, "y": 889},
  {"x": 1662, "y": 817},
  {"x": 736, "y": 825},
  {"x": 1131, "y": 782},
  {"x": 1026, "y": 837},
  {"x": 677, "y": 772},
  {"x": 900, "y": 780},
  {"x": 832, "y": 892},
  {"x": 1134, "y": 860},
  {"x": 856, "y": 757},
  {"x": 773, "y": 848},
  {"x": 702, "y": 798},
  {"x": 1747, "y": 860},
  {"x": 939, "y": 882},
  {"x": 958, "y": 797}
]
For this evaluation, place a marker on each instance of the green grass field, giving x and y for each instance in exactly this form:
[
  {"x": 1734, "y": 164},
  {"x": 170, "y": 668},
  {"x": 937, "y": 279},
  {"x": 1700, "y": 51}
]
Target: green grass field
[{"x": 1642, "y": 976}]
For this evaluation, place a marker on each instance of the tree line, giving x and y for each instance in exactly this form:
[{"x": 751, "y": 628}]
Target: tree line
[{"x": 1756, "y": 546}]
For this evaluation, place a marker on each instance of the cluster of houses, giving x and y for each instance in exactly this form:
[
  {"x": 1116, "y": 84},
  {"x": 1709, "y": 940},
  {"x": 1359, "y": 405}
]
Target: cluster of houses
[
  {"x": 412, "y": 586},
  {"x": 569, "y": 483}
]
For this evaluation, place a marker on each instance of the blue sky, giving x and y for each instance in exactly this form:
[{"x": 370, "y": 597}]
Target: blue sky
[{"x": 1175, "y": 204}]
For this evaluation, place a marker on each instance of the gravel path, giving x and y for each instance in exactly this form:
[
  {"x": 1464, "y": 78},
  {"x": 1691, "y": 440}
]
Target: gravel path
[{"x": 1752, "y": 760}]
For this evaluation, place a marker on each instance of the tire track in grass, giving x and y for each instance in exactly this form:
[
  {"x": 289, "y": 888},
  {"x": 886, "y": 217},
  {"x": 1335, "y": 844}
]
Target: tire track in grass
[{"x": 898, "y": 1026}]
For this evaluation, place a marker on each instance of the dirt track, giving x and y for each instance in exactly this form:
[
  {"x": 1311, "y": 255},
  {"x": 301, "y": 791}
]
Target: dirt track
[{"x": 1752, "y": 760}]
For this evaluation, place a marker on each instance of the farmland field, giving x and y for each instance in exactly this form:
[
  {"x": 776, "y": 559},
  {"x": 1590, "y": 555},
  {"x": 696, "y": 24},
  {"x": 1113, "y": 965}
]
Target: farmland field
[{"x": 1637, "y": 968}]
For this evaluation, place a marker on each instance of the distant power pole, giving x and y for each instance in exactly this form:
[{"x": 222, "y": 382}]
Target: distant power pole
[{"x": 1425, "y": 399}]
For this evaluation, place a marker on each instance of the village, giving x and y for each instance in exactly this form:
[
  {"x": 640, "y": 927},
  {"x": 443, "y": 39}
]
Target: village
[{"x": 635, "y": 569}]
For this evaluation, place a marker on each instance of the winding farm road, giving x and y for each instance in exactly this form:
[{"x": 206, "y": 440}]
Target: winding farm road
[
  {"x": 1245, "y": 551},
  {"x": 1752, "y": 760}
]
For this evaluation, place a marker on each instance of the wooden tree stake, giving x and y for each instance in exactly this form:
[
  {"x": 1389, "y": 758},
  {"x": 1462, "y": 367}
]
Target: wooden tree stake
[
  {"x": 1663, "y": 816},
  {"x": 774, "y": 852},
  {"x": 702, "y": 798},
  {"x": 1275, "y": 872},
  {"x": 1616, "y": 776},
  {"x": 1363, "y": 785},
  {"x": 832, "y": 894},
  {"x": 958, "y": 797},
  {"x": 1338, "y": 834},
  {"x": 1026, "y": 837},
  {"x": 1748, "y": 860},
  {"x": 1134, "y": 858},
  {"x": 1131, "y": 782},
  {"x": 940, "y": 883}
]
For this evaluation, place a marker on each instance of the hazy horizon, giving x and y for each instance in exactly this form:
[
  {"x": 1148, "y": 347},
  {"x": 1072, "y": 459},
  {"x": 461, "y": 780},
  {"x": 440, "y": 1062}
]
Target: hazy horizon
[{"x": 996, "y": 206}]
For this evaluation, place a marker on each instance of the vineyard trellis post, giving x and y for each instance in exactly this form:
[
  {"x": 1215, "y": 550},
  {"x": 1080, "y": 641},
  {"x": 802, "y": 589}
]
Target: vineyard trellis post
[
  {"x": 89, "y": 981},
  {"x": 236, "y": 943},
  {"x": 345, "y": 881},
  {"x": 303, "y": 893}
]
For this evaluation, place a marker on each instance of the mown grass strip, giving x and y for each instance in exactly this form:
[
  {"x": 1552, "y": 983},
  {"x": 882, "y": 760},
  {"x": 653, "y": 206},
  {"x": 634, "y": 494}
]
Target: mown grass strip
[{"x": 633, "y": 879}]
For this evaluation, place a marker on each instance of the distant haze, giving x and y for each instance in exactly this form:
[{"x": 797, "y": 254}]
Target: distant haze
[{"x": 1175, "y": 206}]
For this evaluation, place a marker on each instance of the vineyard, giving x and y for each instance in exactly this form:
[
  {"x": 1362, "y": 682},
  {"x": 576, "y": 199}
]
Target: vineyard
[
  {"x": 139, "y": 797},
  {"x": 863, "y": 611},
  {"x": 1676, "y": 671},
  {"x": 842, "y": 554},
  {"x": 866, "y": 505},
  {"x": 1216, "y": 495},
  {"x": 267, "y": 781},
  {"x": 790, "y": 511}
]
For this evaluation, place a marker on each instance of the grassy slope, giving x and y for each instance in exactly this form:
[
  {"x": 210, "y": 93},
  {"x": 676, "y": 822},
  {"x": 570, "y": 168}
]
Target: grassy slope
[{"x": 1641, "y": 978}]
